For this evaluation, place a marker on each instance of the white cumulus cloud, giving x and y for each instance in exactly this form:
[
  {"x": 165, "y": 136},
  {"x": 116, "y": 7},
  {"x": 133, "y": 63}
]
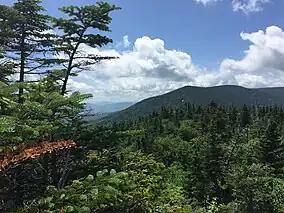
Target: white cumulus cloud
[
  {"x": 246, "y": 6},
  {"x": 149, "y": 69},
  {"x": 263, "y": 62}
]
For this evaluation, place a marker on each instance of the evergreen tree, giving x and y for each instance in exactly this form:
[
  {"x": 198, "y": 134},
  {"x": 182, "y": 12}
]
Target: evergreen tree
[
  {"x": 29, "y": 40},
  {"x": 75, "y": 32},
  {"x": 245, "y": 118},
  {"x": 6, "y": 67},
  {"x": 29, "y": 123},
  {"x": 271, "y": 147}
]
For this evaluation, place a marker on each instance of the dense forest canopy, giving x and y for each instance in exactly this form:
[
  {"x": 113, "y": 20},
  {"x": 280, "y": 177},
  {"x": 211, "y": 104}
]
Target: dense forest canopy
[{"x": 188, "y": 158}]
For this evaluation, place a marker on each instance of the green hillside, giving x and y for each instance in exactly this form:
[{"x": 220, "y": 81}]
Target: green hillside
[{"x": 224, "y": 95}]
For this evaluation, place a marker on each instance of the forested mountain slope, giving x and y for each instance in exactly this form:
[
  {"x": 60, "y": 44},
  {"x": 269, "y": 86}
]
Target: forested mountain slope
[{"x": 224, "y": 95}]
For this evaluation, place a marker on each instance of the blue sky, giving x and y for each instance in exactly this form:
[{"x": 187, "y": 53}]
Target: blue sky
[
  {"x": 187, "y": 42},
  {"x": 209, "y": 33}
]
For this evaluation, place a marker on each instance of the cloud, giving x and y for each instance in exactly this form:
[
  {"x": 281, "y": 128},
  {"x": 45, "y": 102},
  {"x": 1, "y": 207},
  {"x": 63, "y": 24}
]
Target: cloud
[
  {"x": 265, "y": 52},
  {"x": 263, "y": 61},
  {"x": 206, "y": 2},
  {"x": 148, "y": 68},
  {"x": 125, "y": 43},
  {"x": 249, "y": 6},
  {"x": 246, "y": 6}
]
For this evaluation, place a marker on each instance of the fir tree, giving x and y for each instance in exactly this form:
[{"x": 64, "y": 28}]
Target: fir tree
[
  {"x": 271, "y": 146},
  {"x": 245, "y": 118},
  {"x": 29, "y": 40},
  {"x": 75, "y": 32}
]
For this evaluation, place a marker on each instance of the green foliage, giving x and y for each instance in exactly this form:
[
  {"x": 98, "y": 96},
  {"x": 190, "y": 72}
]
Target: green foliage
[
  {"x": 143, "y": 185},
  {"x": 42, "y": 115},
  {"x": 271, "y": 146},
  {"x": 219, "y": 152},
  {"x": 188, "y": 130},
  {"x": 26, "y": 38},
  {"x": 6, "y": 70},
  {"x": 255, "y": 190},
  {"x": 197, "y": 165},
  {"x": 82, "y": 18},
  {"x": 171, "y": 149},
  {"x": 42, "y": 112},
  {"x": 102, "y": 192},
  {"x": 153, "y": 189}
]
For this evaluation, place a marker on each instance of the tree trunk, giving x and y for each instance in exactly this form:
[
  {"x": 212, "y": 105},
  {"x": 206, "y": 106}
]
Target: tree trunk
[
  {"x": 46, "y": 170},
  {"x": 54, "y": 168},
  {"x": 22, "y": 66}
]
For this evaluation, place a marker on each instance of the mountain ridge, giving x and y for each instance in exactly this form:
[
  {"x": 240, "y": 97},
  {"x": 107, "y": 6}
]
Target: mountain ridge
[{"x": 223, "y": 94}]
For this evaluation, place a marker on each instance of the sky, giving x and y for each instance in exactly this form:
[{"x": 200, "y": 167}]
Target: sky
[{"x": 163, "y": 45}]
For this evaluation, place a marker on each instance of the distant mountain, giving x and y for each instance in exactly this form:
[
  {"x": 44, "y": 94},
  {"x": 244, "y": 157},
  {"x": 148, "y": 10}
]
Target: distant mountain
[
  {"x": 225, "y": 95},
  {"x": 103, "y": 109},
  {"x": 107, "y": 107},
  {"x": 95, "y": 116}
]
